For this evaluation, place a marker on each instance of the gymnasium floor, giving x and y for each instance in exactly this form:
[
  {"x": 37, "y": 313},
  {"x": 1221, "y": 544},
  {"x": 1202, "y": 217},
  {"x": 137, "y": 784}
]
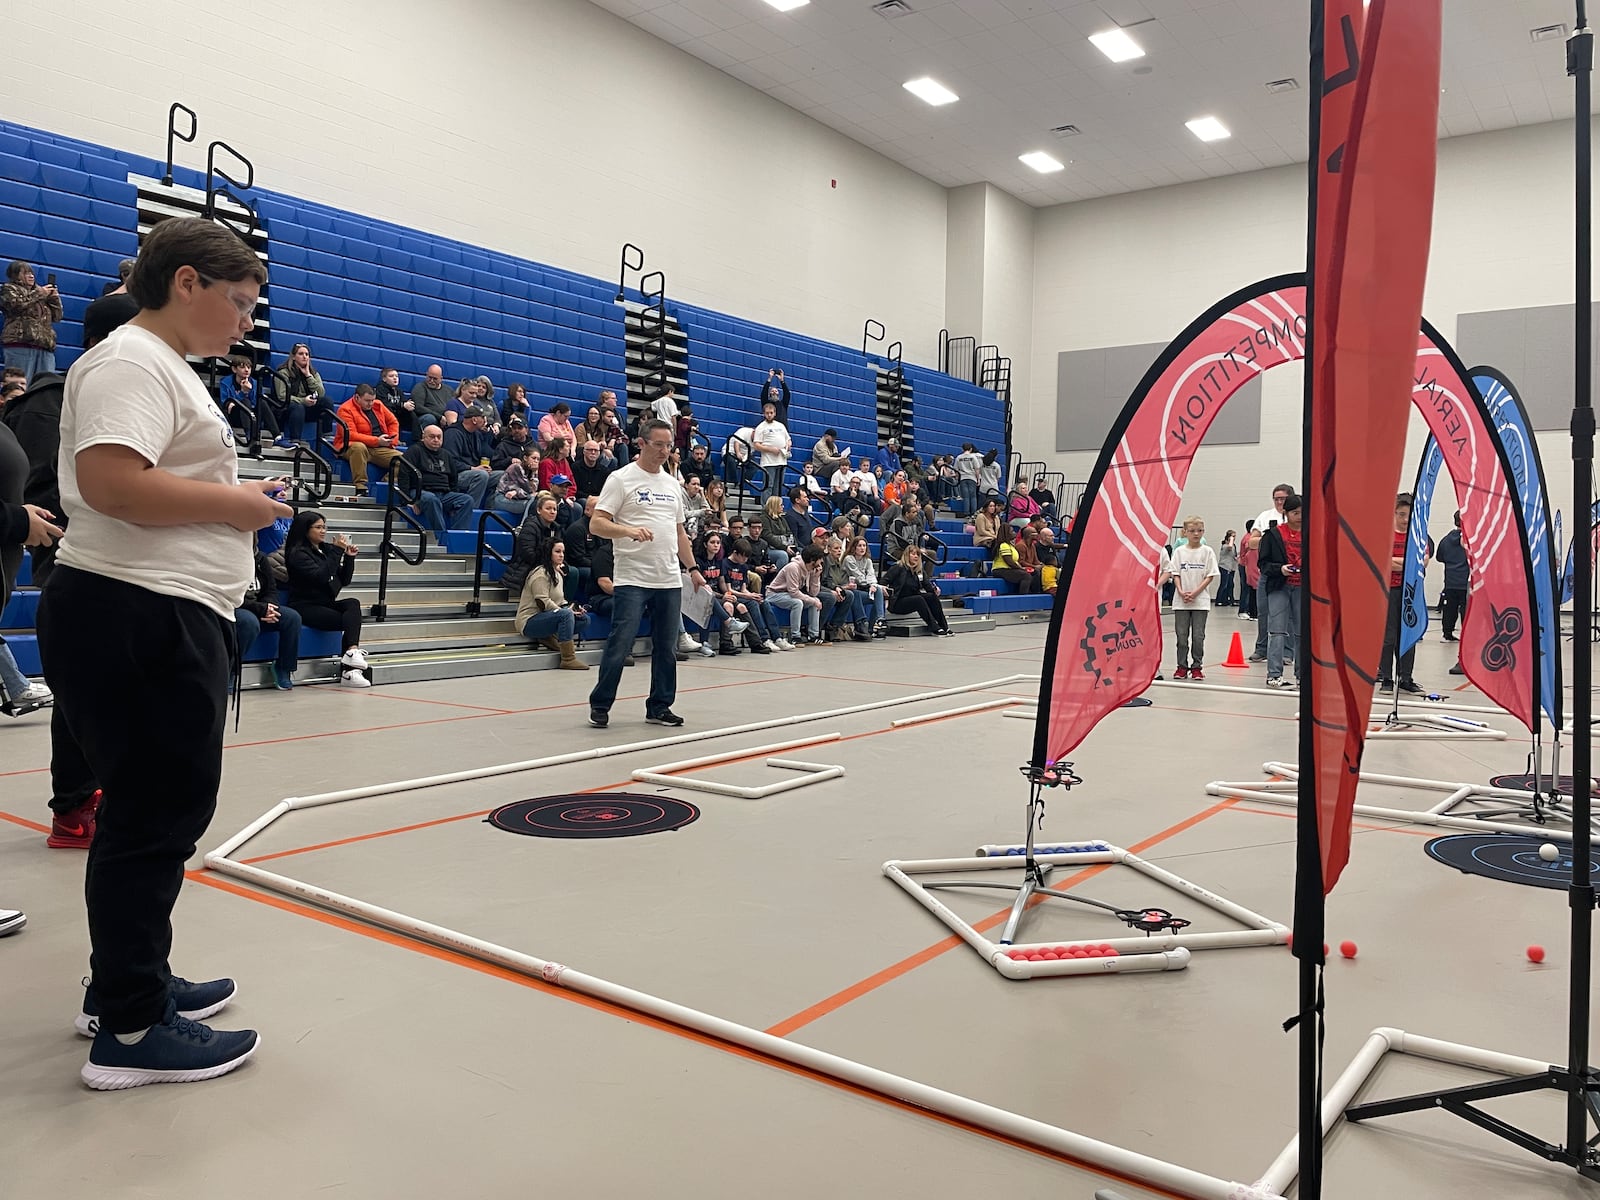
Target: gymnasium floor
[{"x": 391, "y": 1069}]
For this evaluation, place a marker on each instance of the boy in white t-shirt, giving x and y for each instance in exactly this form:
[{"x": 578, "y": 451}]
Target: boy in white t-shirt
[
  {"x": 136, "y": 628},
  {"x": 1194, "y": 570},
  {"x": 771, "y": 438}
]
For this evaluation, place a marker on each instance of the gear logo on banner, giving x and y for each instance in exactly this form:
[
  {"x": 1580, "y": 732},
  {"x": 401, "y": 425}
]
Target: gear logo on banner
[
  {"x": 1500, "y": 651},
  {"x": 1100, "y": 649}
]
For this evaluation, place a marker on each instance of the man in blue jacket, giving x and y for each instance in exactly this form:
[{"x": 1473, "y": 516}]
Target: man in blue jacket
[{"x": 470, "y": 446}]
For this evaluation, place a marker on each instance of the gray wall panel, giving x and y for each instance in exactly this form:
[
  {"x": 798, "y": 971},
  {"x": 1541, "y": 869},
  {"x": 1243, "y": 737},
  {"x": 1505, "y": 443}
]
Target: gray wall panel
[
  {"x": 1533, "y": 346},
  {"x": 1093, "y": 385}
]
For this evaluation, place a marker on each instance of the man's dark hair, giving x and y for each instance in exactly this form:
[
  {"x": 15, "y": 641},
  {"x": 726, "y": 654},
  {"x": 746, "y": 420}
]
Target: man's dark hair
[
  {"x": 15, "y": 269},
  {"x": 741, "y": 546},
  {"x": 647, "y": 427},
  {"x": 1403, "y": 498},
  {"x": 797, "y": 493},
  {"x": 216, "y": 253},
  {"x": 382, "y": 371},
  {"x": 106, "y": 315},
  {"x": 238, "y": 360},
  {"x": 1291, "y": 504},
  {"x": 811, "y": 553},
  {"x": 366, "y": 389},
  {"x": 15, "y": 373},
  {"x": 833, "y": 433}
]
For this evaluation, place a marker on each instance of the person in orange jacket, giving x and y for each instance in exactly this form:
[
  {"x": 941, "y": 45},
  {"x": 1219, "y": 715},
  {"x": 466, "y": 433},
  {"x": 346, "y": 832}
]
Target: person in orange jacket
[{"x": 373, "y": 430}]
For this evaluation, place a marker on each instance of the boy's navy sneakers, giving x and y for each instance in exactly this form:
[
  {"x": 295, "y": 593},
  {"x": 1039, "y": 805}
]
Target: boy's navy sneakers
[
  {"x": 194, "y": 1001},
  {"x": 176, "y": 1051}
]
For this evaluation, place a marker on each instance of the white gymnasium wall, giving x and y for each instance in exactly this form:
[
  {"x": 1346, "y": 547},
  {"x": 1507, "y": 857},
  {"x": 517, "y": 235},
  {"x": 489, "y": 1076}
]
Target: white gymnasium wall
[
  {"x": 551, "y": 130},
  {"x": 1138, "y": 268},
  {"x": 1008, "y": 283}
]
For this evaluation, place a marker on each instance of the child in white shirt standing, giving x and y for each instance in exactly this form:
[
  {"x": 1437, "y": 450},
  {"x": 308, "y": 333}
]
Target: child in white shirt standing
[{"x": 1194, "y": 570}]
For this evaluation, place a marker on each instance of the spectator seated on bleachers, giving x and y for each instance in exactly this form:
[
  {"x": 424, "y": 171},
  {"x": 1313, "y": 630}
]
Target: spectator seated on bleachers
[
  {"x": 602, "y": 430},
  {"x": 814, "y": 486},
  {"x": 557, "y": 460},
  {"x": 694, "y": 506},
  {"x": 888, "y": 459},
  {"x": 826, "y": 455},
  {"x": 395, "y": 400},
  {"x": 590, "y": 471},
  {"x": 470, "y": 446},
  {"x": 537, "y": 528},
  {"x": 716, "y": 506},
  {"x": 440, "y": 506},
  {"x": 374, "y": 432},
  {"x": 318, "y": 570},
  {"x": 1049, "y": 560},
  {"x": 514, "y": 440},
  {"x": 844, "y": 606},
  {"x": 1007, "y": 565},
  {"x": 568, "y": 507},
  {"x": 699, "y": 466},
  {"x": 557, "y": 423},
  {"x": 770, "y": 539},
  {"x": 581, "y": 545},
  {"x": 621, "y": 448},
  {"x": 798, "y": 517},
  {"x": 1021, "y": 509},
  {"x": 744, "y": 587},
  {"x": 794, "y": 591},
  {"x": 723, "y": 618},
  {"x": 1043, "y": 497},
  {"x": 465, "y": 397},
  {"x": 518, "y": 485},
  {"x": 894, "y": 487},
  {"x": 238, "y": 396},
  {"x": 260, "y": 612},
  {"x": 429, "y": 398},
  {"x": 516, "y": 404},
  {"x": 986, "y": 525},
  {"x": 31, "y": 313},
  {"x": 859, "y": 563},
  {"x": 911, "y": 592},
  {"x": 856, "y": 506},
  {"x": 544, "y": 614},
  {"x": 298, "y": 396}
]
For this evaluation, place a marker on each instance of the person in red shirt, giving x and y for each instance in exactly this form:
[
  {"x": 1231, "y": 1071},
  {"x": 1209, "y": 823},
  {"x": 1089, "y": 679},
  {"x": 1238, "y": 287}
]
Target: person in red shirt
[
  {"x": 1391, "y": 632},
  {"x": 374, "y": 432}
]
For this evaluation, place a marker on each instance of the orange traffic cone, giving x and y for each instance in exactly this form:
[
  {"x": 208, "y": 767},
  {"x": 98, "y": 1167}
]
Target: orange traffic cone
[{"x": 1236, "y": 654}]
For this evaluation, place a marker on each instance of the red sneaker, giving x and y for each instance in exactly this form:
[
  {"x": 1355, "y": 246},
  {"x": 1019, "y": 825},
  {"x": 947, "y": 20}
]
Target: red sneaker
[
  {"x": 1181, "y": 673},
  {"x": 75, "y": 830},
  {"x": 1197, "y": 675}
]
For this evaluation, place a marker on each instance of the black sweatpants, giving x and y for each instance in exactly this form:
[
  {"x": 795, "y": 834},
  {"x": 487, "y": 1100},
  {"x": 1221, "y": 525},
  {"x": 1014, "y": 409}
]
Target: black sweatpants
[
  {"x": 926, "y": 607},
  {"x": 341, "y": 616},
  {"x": 145, "y": 695},
  {"x": 1452, "y": 604},
  {"x": 1391, "y": 641}
]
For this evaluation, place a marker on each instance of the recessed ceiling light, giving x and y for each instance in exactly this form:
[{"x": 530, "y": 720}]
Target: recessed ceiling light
[
  {"x": 1279, "y": 86},
  {"x": 788, "y": 5},
  {"x": 1041, "y": 162},
  {"x": 1547, "y": 33},
  {"x": 929, "y": 90},
  {"x": 1116, "y": 45},
  {"x": 1208, "y": 129}
]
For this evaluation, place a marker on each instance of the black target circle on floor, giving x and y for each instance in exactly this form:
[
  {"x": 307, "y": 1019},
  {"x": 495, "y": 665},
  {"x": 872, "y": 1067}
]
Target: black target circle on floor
[
  {"x": 1524, "y": 783},
  {"x": 1138, "y": 702},
  {"x": 593, "y": 815},
  {"x": 1511, "y": 858}
]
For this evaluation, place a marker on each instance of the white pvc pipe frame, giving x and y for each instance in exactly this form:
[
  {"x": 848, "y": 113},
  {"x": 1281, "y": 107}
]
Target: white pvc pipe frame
[
  {"x": 1284, "y": 793},
  {"x": 1040, "y": 1134},
  {"x": 811, "y": 772},
  {"x": 1159, "y": 952}
]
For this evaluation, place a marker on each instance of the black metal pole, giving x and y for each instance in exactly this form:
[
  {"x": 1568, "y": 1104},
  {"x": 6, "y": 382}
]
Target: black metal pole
[
  {"x": 1309, "y": 899},
  {"x": 1581, "y": 893}
]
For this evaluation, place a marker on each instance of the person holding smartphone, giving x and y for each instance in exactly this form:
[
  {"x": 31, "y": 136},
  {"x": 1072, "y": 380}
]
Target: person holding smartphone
[
  {"x": 1281, "y": 558},
  {"x": 159, "y": 533},
  {"x": 31, "y": 313}
]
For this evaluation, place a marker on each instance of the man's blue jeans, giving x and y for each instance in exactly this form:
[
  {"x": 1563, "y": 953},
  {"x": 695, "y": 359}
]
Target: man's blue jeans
[
  {"x": 628, "y": 606},
  {"x": 248, "y": 627}
]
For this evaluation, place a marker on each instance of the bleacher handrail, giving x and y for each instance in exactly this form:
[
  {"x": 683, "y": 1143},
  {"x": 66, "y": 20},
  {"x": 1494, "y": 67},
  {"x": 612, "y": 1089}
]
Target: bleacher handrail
[
  {"x": 213, "y": 189},
  {"x": 174, "y": 135},
  {"x": 749, "y": 470},
  {"x": 626, "y": 266},
  {"x": 320, "y": 486},
  {"x": 958, "y": 356},
  {"x": 475, "y": 605},
  {"x": 396, "y": 500},
  {"x": 868, "y": 336}
]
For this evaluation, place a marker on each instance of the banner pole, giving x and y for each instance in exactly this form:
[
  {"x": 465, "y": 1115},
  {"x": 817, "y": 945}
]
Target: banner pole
[
  {"x": 1581, "y": 894},
  {"x": 1310, "y": 901}
]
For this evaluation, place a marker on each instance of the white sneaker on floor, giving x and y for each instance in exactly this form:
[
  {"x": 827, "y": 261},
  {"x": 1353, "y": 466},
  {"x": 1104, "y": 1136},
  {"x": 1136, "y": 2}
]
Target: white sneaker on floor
[
  {"x": 769, "y": 644},
  {"x": 705, "y": 651},
  {"x": 736, "y": 626},
  {"x": 354, "y": 658},
  {"x": 784, "y": 644},
  {"x": 354, "y": 678},
  {"x": 688, "y": 645},
  {"x": 11, "y": 921}
]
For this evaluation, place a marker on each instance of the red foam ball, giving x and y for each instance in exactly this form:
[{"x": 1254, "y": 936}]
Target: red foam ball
[
  {"x": 1348, "y": 949},
  {"x": 1536, "y": 954}
]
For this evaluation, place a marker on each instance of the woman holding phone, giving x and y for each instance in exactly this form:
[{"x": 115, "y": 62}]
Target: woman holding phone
[
  {"x": 31, "y": 313},
  {"x": 319, "y": 568}
]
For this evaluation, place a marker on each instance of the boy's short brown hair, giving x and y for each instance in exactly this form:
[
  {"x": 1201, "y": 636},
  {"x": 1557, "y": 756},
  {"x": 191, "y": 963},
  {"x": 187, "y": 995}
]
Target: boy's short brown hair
[{"x": 217, "y": 254}]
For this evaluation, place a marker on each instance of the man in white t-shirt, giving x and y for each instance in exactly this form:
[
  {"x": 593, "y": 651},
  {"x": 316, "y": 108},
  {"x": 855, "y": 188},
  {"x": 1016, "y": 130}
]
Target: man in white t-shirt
[
  {"x": 665, "y": 407},
  {"x": 1193, "y": 567},
  {"x": 641, "y": 510},
  {"x": 1258, "y": 531},
  {"x": 159, "y": 540},
  {"x": 771, "y": 439}
]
